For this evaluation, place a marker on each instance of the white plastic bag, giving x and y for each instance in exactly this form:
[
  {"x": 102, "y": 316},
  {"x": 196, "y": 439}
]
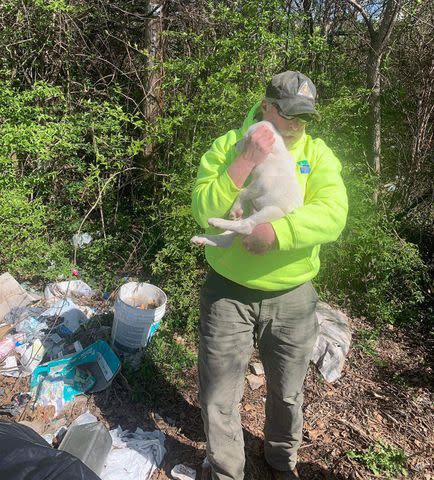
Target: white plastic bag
[
  {"x": 333, "y": 342},
  {"x": 134, "y": 455},
  {"x": 72, "y": 315},
  {"x": 70, "y": 288}
]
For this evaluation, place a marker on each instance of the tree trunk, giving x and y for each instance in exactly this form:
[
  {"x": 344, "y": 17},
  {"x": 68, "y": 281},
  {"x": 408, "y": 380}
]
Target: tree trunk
[
  {"x": 153, "y": 101},
  {"x": 374, "y": 123}
]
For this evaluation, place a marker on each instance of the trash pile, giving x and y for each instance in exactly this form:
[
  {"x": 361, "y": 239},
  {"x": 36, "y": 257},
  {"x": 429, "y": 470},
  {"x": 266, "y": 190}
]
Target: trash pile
[
  {"x": 38, "y": 339},
  {"x": 86, "y": 451},
  {"x": 35, "y": 331}
]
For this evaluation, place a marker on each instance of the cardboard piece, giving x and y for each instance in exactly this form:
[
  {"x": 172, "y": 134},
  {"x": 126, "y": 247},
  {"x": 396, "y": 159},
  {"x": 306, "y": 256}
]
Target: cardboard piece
[
  {"x": 4, "y": 330},
  {"x": 13, "y": 295}
]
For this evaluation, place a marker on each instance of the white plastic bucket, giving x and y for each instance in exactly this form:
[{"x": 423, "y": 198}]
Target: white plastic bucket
[{"x": 133, "y": 327}]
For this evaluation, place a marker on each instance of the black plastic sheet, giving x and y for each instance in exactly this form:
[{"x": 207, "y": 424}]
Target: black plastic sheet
[{"x": 25, "y": 455}]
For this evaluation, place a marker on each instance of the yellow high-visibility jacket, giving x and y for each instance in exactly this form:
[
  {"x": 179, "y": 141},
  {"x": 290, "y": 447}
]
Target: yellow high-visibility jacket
[{"x": 299, "y": 234}]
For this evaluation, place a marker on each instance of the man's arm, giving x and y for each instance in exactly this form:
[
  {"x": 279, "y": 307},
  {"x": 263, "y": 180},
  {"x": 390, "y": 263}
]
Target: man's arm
[
  {"x": 214, "y": 191},
  {"x": 324, "y": 214},
  {"x": 222, "y": 173}
]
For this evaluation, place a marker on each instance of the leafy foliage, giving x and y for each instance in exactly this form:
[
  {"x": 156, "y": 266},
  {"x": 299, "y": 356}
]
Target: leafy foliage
[
  {"x": 78, "y": 152},
  {"x": 382, "y": 459}
]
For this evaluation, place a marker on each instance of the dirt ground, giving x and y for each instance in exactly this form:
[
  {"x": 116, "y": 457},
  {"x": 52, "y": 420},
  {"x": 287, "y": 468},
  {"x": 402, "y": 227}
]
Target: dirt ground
[{"x": 382, "y": 395}]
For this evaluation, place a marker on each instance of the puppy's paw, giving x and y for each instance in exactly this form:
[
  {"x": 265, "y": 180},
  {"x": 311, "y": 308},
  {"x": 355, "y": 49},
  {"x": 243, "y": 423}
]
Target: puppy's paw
[
  {"x": 216, "y": 222},
  {"x": 236, "y": 214},
  {"x": 197, "y": 240}
]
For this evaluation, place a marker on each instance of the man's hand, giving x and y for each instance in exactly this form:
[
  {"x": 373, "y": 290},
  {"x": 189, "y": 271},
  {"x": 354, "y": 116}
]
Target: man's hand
[
  {"x": 261, "y": 240},
  {"x": 256, "y": 149},
  {"x": 259, "y": 145}
]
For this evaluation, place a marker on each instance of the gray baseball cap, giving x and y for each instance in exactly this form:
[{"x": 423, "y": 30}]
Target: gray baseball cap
[{"x": 293, "y": 94}]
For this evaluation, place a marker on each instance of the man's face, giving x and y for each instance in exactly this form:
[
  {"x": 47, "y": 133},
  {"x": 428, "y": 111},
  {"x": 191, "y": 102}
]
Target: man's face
[{"x": 291, "y": 130}]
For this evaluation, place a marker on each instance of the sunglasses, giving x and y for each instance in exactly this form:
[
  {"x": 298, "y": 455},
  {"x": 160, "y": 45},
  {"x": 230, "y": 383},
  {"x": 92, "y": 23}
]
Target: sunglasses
[{"x": 298, "y": 120}]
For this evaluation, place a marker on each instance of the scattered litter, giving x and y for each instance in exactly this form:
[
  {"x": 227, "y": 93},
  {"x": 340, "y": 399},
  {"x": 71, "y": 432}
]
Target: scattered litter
[
  {"x": 69, "y": 288},
  {"x": 21, "y": 399},
  {"x": 32, "y": 356},
  {"x": 81, "y": 239},
  {"x": 48, "y": 437},
  {"x": 2, "y": 391},
  {"x": 18, "y": 401},
  {"x": 58, "y": 382},
  {"x": 333, "y": 342},
  {"x": 88, "y": 311},
  {"x": 134, "y": 455},
  {"x": 84, "y": 418},
  {"x": 7, "y": 345},
  {"x": 72, "y": 316},
  {"x": 13, "y": 295},
  {"x": 255, "y": 382},
  {"x": 257, "y": 368},
  {"x": 19, "y": 314},
  {"x": 25, "y": 454},
  {"x": 4, "y": 330},
  {"x": 59, "y": 434},
  {"x": 151, "y": 305},
  {"x": 181, "y": 472},
  {"x": 9, "y": 409},
  {"x": 62, "y": 386},
  {"x": 31, "y": 327},
  {"x": 90, "y": 442},
  {"x": 10, "y": 367}
]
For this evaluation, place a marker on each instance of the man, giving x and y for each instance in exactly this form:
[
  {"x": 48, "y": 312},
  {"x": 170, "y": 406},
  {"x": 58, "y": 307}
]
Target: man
[{"x": 259, "y": 290}]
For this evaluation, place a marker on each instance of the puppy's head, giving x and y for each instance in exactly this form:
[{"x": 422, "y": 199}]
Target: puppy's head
[{"x": 278, "y": 142}]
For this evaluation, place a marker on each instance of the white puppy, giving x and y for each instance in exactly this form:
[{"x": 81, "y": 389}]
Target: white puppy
[{"x": 272, "y": 193}]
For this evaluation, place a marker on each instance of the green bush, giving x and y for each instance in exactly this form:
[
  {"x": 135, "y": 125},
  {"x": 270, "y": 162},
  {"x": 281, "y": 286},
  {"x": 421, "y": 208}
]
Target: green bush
[
  {"x": 63, "y": 164},
  {"x": 382, "y": 460},
  {"x": 26, "y": 248}
]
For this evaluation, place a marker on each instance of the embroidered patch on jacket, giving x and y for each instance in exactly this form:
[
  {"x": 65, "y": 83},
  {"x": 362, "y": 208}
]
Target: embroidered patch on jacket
[{"x": 304, "y": 166}]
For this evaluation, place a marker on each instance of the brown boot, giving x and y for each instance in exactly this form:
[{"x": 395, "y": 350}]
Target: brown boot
[{"x": 288, "y": 475}]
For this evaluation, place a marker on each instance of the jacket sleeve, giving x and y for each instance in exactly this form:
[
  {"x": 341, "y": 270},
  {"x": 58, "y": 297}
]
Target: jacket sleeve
[
  {"x": 214, "y": 191},
  {"x": 323, "y": 216}
]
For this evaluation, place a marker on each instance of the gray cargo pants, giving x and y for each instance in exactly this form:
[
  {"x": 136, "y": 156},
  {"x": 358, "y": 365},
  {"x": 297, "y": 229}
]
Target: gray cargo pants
[{"x": 284, "y": 327}]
